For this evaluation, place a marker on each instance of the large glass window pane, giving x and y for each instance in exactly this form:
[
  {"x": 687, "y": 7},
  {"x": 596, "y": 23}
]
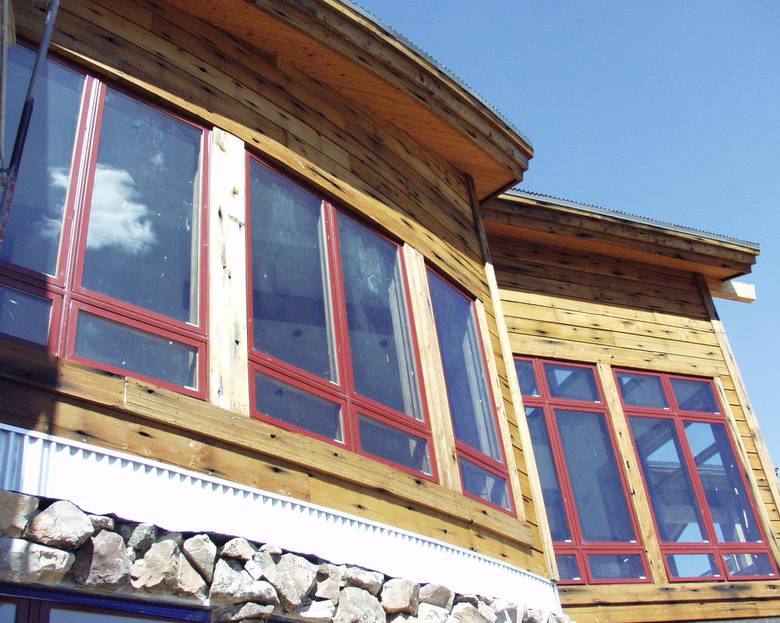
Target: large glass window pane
[
  {"x": 136, "y": 351},
  {"x": 144, "y": 219},
  {"x": 294, "y": 406},
  {"x": 7, "y": 613},
  {"x": 290, "y": 305},
  {"x": 464, "y": 370},
  {"x": 692, "y": 566},
  {"x": 24, "y": 316},
  {"x": 379, "y": 336},
  {"x": 545, "y": 465},
  {"x": 694, "y": 396},
  {"x": 746, "y": 565},
  {"x": 616, "y": 567},
  {"x": 568, "y": 568},
  {"x": 527, "y": 377},
  {"x": 571, "y": 382},
  {"x": 484, "y": 484},
  {"x": 599, "y": 494},
  {"x": 394, "y": 445},
  {"x": 674, "y": 502},
  {"x": 728, "y": 500},
  {"x": 34, "y": 229},
  {"x": 642, "y": 390}
]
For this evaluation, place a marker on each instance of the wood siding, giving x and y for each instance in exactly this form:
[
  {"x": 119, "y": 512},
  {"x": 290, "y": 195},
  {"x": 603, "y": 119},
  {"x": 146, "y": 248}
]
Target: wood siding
[
  {"x": 301, "y": 125},
  {"x": 592, "y": 308}
]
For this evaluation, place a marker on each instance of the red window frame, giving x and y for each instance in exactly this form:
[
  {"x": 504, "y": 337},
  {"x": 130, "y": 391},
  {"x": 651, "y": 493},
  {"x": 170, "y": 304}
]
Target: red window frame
[
  {"x": 462, "y": 449},
  {"x": 65, "y": 288},
  {"x": 678, "y": 416},
  {"x": 578, "y": 547},
  {"x": 343, "y": 392}
]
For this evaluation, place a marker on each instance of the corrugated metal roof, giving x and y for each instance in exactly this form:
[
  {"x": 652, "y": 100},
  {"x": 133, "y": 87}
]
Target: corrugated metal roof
[
  {"x": 632, "y": 218},
  {"x": 441, "y": 67}
]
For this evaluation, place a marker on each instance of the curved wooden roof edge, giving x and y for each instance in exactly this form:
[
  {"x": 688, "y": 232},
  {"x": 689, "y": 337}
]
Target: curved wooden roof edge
[
  {"x": 564, "y": 224},
  {"x": 363, "y": 61}
]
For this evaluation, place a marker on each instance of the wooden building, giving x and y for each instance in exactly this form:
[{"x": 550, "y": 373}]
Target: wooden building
[{"x": 263, "y": 279}]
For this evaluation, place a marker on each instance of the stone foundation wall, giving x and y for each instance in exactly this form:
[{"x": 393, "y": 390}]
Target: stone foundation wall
[{"x": 54, "y": 543}]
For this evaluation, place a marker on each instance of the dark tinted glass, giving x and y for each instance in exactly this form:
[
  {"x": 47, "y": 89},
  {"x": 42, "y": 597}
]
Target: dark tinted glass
[
  {"x": 694, "y": 396},
  {"x": 527, "y": 377},
  {"x": 144, "y": 220},
  {"x": 35, "y": 223},
  {"x": 571, "y": 382},
  {"x": 599, "y": 495},
  {"x": 7, "y": 613},
  {"x": 674, "y": 503},
  {"x": 379, "y": 336},
  {"x": 692, "y": 566},
  {"x": 725, "y": 490},
  {"x": 568, "y": 568},
  {"x": 641, "y": 390},
  {"x": 484, "y": 484},
  {"x": 136, "y": 351},
  {"x": 394, "y": 445},
  {"x": 746, "y": 565},
  {"x": 616, "y": 567},
  {"x": 294, "y": 406},
  {"x": 24, "y": 316},
  {"x": 290, "y": 306},
  {"x": 551, "y": 488},
  {"x": 464, "y": 371}
]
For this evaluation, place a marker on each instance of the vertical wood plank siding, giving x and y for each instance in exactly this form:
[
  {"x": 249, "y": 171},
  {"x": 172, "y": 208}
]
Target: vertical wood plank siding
[{"x": 304, "y": 126}]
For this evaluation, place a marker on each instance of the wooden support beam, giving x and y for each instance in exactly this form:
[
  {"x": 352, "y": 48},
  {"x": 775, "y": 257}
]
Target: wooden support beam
[{"x": 732, "y": 290}]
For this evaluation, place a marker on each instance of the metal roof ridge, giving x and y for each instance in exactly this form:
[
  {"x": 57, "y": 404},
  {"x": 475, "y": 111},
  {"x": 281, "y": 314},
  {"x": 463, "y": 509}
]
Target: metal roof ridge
[{"x": 634, "y": 218}]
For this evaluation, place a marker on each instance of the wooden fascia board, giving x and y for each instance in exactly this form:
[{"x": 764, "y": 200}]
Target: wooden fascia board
[
  {"x": 584, "y": 231},
  {"x": 330, "y": 39}
]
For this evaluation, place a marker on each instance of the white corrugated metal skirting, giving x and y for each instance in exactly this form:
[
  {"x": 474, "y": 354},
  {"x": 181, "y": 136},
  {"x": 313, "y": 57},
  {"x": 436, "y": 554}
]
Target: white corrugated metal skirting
[{"x": 103, "y": 481}]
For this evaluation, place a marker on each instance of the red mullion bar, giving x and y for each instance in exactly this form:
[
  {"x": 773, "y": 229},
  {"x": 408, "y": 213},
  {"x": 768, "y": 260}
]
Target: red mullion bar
[
  {"x": 54, "y": 314},
  {"x": 394, "y": 418},
  {"x": 668, "y": 378},
  {"x": 568, "y": 402},
  {"x": 298, "y": 378},
  {"x": 255, "y": 368},
  {"x": 202, "y": 377},
  {"x": 481, "y": 459},
  {"x": 341, "y": 322}
]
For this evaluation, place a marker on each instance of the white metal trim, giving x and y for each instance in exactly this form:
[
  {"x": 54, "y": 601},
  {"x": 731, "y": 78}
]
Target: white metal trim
[{"x": 103, "y": 481}]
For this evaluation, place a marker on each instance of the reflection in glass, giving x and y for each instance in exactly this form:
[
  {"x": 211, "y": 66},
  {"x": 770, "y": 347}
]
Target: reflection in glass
[
  {"x": 136, "y": 351},
  {"x": 642, "y": 390},
  {"x": 464, "y": 371},
  {"x": 379, "y": 336},
  {"x": 143, "y": 239},
  {"x": 394, "y": 445},
  {"x": 692, "y": 566},
  {"x": 724, "y": 488},
  {"x": 294, "y": 406},
  {"x": 746, "y": 565},
  {"x": 290, "y": 306},
  {"x": 551, "y": 489},
  {"x": 32, "y": 239},
  {"x": 616, "y": 567},
  {"x": 599, "y": 495},
  {"x": 694, "y": 396},
  {"x": 24, "y": 316},
  {"x": 484, "y": 484},
  {"x": 674, "y": 503},
  {"x": 527, "y": 377},
  {"x": 568, "y": 569},
  {"x": 79, "y": 616},
  {"x": 571, "y": 382},
  {"x": 7, "y": 613}
]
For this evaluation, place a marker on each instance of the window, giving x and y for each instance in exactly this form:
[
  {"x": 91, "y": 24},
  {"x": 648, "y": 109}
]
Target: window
[
  {"x": 333, "y": 349},
  {"x": 102, "y": 257},
  {"x": 480, "y": 456},
  {"x": 704, "y": 514},
  {"x": 592, "y": 524}
]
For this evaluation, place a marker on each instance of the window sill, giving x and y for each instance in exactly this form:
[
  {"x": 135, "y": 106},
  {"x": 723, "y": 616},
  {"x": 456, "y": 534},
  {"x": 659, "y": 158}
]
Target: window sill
[{"x": 193, "y": 416}]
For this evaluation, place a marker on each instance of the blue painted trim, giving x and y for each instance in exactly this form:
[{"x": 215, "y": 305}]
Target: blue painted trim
[{"x": 116, "y": 603}]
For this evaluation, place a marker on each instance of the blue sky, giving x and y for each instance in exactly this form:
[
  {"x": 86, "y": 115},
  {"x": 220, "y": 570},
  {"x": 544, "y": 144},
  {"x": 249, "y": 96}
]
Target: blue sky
[{"x": 663, "y": 108}]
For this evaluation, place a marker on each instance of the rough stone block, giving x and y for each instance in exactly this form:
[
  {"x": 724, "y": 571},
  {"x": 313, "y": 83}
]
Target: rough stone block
[
  {"x": 202, "y": 553},
  {"x": 238, "y": 549},
  {"x": 22, "y": 562},
  {"x": 437, "y": 595},
  {"x": 362, "y": 578},
  {"x": 357, "y": 605},
  {"x": 16, "y": 509},
  {"x": 62, "y": 524},
  {"x": 102, "y": 562},
  {"x": 400, "y": 595},
  {"x": 295, "y": 579}
]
